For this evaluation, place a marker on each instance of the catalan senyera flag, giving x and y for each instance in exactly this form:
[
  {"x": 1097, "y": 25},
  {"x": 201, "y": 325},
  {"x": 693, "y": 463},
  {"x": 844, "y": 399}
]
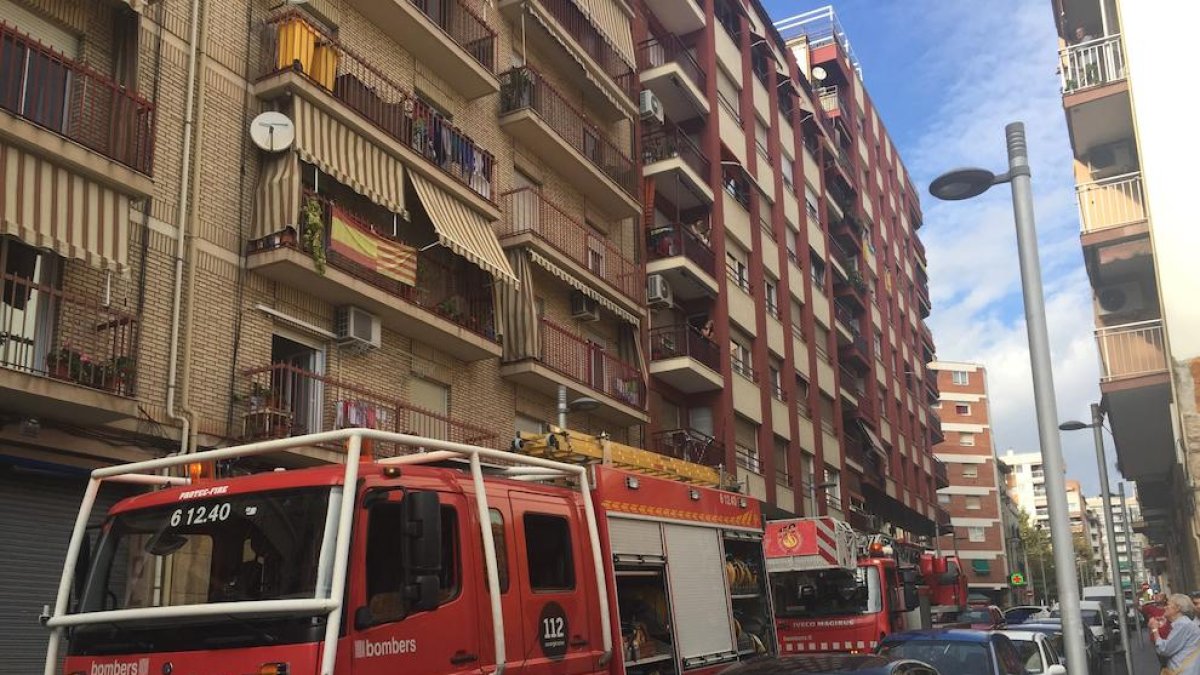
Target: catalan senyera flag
[{"x": 389, "y": 258}]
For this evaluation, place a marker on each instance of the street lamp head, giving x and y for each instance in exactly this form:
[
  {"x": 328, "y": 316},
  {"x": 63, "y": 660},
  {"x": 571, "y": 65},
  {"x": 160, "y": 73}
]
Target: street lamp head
[
  {"x": 1073, "y": 425},
  {"x": 962, "y": 184}
]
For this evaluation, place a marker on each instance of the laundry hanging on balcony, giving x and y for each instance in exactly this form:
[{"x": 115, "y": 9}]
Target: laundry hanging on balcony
[
  {"x": 578, "y": 285},
  {"x": 462, "y": 230},
  {"x": 352, "y": 239},
  {"x": 516, "y": 308},
  {"x": 47, "y": 206}
]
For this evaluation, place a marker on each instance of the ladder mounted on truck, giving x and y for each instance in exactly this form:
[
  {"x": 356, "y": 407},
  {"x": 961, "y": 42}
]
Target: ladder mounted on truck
[{"x": 564, "y": 445}]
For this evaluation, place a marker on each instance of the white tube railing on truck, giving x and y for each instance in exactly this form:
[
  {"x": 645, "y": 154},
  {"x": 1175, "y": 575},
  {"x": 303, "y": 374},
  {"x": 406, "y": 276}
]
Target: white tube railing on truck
[{"x": 430, "y": 450}]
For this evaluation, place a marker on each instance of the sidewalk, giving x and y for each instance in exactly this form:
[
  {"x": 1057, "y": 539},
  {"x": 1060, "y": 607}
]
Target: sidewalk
[{"x": 1144, "y": 661}]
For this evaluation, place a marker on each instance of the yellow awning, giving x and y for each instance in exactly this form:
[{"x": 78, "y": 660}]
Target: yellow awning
[
  {"x": 462, "y": 230},
  {"x": 47, "y": 206}
]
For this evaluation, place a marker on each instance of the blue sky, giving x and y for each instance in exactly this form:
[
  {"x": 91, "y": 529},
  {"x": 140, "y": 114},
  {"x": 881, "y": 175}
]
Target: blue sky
[{"x": 946, "y": 77}]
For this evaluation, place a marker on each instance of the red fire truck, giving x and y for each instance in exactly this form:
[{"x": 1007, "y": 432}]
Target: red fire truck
[
  {"x": 947, "y": 586},
  {"x": 837, "y": 590},
  {"x": 445, "y": 558}
]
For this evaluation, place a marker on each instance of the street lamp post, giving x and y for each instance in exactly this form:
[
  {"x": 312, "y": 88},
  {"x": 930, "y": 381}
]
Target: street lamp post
[
  {"x": 967, "y": 183},
  {"x": 1097, "y": 427}
]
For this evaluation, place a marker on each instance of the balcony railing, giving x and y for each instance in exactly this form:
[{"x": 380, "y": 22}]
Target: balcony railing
[
  {"x": 669, "y": 342},
  {"x": 365, "y": 89},
  {"x": 524, "y": 88},
  {"x": 593, "y": 42},
  {"x": 847, "y": 317},
  {"x": 591, "y": 365},
  {"x": 464, "y": 26},
  {"x": 1091, "y": 64},
  {"x": 1131, "y": 350},
  {"x": 831, "y": 100},
  {"x": 685, "y": 240},
  {"x": 659, "y": 51},
  {"x": 689, "y": 445},
  {"x": 851, "y": 382},
  {"x": 736, "y": 182},
  {"x": 742, "y": 367},
  {"x": 1111, "y": 202},
  {"x": 75, "y": 101},
  {"x": 748, "y": 459},
  {"x": 282, "y": 400},
  {"x": 740, "y": 277},
  {"x": 666, "y": 142},
  {"x": 528, "y": 211},
  {"x": 46, "y": 332}
]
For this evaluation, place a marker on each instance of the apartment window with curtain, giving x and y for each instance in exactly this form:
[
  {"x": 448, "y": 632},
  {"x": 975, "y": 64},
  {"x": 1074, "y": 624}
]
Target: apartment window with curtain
[
  {"x": 817, "y": 269},
  {"x": 960, "y": 377},
  {"x": 776, "y": 374},
  {"x": 745, "y": 435},
  {"x": 761, "y": 139},
  {"x": 737, "y": 267},
  {"x": 740, "y": 355},
  {"x": 771, "y": 289},
  {"x": 793, "y": 246},
  {"x": 821, "y": 340},
  {"x": 973, "y": 503},
  {"x": 976, "y": 535},
  {"x": 728, "y": 93},
  {"x": 811, "y": 203},
  {"x": 970, "y": 471},
  {"x": 797, "y": 318},
  {"x": 966, "y": 439},
  {"x": 788, "y": 164}
]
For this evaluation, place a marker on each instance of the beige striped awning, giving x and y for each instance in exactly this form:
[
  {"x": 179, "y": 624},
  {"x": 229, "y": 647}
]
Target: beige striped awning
[
  {"x": 46, "y": 206},
  {"x": 351, "y": 159},
  {"x": 516, "y": 308},
  {"x": 277, "y": 198},
  {"x": 578, "y": 285},
  {"x": 613, "y": 23},
  {"x": 558, "y": 34},
  {"x": 462, "y": 230}
]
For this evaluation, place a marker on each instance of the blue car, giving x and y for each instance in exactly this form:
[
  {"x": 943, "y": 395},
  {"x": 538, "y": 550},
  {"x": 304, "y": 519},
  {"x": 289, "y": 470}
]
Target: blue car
[
  {"x": 832, "y": 664},
  {"x": 962, "y": 652}
]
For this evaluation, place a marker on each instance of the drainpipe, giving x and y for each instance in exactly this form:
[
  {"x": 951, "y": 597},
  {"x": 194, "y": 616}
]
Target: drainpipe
[{"x": 181, "y": 230}]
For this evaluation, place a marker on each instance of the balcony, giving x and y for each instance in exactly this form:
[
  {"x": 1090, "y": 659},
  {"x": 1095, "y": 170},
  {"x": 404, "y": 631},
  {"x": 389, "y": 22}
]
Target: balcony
[
  {"x": 356, "y": 93},
  {"x": 673, "y": 161},
  {"x": 62, "y": 355},
  {"x": 832, "y": 101},
  {"x": 679, "y": 17},
  {"x": 936, "y": 435},
  {"x": 932, "y": 394},
  {"x": 446, "y": 34},
  {"x": 852, "y": 385},
  {"x": 854, "y": 352},
  {"x": 586, "y": 369},
  {"x": 539, "y": 117},
  {"x": 851, "y": 289},
  {"x": 689, "y": 445},
  {"x": 684, "y": 359},
  {"x": 532, "y": 220},
  {"x": 75, "y": 116},
  {"x": 1113, "y": 206},
  {"x": 671, "y": 71},
  {"x": 1131, "y": 350},
  {"x": 847, "y": 321},
  {"x": 941, "y": 477},
  {"x": 562, "y": 27},
  {"x": 1091, "y": 64},
  {"x": 680, "y": 252},
  {"x": 281, "y": 400},
  {"x": 435, "y": 297}
]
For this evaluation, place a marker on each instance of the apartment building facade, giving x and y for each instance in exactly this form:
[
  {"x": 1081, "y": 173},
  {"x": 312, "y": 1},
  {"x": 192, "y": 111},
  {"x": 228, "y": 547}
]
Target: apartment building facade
[
  {"x": 976, "y": 495},
  {"x": 1131, "y": 564},
  {"x": 1133, "y": 200},
  {"x": 1027, "y": 484}
]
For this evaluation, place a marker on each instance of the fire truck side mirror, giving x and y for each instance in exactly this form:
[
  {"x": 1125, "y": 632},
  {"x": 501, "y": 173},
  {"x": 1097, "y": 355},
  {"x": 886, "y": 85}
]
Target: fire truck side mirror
[{"x": 423, "y": 528}]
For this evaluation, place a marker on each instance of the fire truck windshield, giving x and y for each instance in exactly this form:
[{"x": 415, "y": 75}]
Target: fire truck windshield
[
  {"x": 833, "y": 592},
  {"x": 247, "y": 547}
]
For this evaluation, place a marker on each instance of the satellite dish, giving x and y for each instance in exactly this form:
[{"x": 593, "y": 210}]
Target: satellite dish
[
  {"x": 272, "y": 131},
  {"x": 819, "y": 73}
]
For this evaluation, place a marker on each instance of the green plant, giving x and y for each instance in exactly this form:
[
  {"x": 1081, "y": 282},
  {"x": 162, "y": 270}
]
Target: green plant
[
  {"x": 314, "y": 232},
  {"x": 78, "y": 365}
]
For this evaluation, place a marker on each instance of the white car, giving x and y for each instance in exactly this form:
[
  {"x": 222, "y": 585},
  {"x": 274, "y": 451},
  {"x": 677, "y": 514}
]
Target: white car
[
  {"x": 1037, "y": 652},
  {"x": 1094, "y": 619}
]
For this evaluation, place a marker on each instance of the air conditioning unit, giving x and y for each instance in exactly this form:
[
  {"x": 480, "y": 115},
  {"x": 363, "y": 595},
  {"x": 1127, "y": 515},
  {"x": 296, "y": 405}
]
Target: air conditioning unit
[
  {"x": 584, "y": 308},
  {"x": 1112, "y": 159},
  {"x": 356, "y": 328},
  {"x": 650, "y": 107},
  {"x": 1123, "y": 298},
  {"x": 658, "y": 291}
]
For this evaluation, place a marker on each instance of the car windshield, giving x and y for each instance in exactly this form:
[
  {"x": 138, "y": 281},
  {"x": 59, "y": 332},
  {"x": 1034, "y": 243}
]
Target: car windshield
[
  {"x": 960, "y": 658},
  {"x": 249, "y": 547},
  {"x": 833, "y": 592},
  {"x": 974, "y": 616},
  {"x": 1030, "y": 655},
  {"x": 1091, "y": 617}
]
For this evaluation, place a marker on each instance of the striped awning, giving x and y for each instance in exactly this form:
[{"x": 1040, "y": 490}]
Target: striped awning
[
  {"x": 613, "y": 23},
  {"x": 555, "y": 31},
  {"x": 46, "y": 206},
  {"x": 351, "y": 159},
  {"x": 873, "y": 441},
  {"x": 462, "y": 230},
  {"x": 516, "y": 308},
  {"x": 277, "y": 198},
  {"x": 578, "y": 285},
  {"x": 137, "y": 5}
]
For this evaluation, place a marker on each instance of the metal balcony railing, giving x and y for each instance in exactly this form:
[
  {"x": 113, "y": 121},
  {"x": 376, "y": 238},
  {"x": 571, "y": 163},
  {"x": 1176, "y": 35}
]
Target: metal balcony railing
[
  {"x": 736, "y": 182},
  {"x": 1091, "y": 64},
  {"x": 1111, "y": 202},
  {"x": 591, "y": 365},
  {"x": 75, "y": 101},
  {"x": 747, "y": 458},
  {"x": 593, "y": 41},
  {"x": 1131, "y": 350},
  {"x": 281, "y": 400},
  {"x": 686, "y": 240},
  {"x": 47, "y": 332},
  {"x": 464, "y": 26},
  {"x": 524, "y": 88},
  {"x": 667, "y": 141},
  {"x": 527, "y": 210},
  {"x": 659, "y": 51},
  {"x": 847, "y": 317},
  {"x": 742, "y": 367},
  {"x": 669, "y": 342},
  {"x": 365, "y": 89},
  {"x": 689, "y": 445},
  {"x": 832, "y": 101},
  {"x": 740, "y": 277},
  {"x": 851, "y": 382}
]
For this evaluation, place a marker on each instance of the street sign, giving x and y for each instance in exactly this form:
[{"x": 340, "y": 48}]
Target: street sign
[{"x": 1016, "y": 579}]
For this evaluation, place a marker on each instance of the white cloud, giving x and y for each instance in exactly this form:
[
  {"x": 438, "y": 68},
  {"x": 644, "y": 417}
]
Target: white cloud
[{"x": 996, "y": 64}]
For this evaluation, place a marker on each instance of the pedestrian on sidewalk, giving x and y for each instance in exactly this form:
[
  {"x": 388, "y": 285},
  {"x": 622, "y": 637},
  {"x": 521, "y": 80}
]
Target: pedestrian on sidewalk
[{"x": 1181, "y": 648}]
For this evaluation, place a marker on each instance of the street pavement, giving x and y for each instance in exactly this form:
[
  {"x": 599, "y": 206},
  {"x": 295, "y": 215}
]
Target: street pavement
[{"x": 1144, "y": 660}]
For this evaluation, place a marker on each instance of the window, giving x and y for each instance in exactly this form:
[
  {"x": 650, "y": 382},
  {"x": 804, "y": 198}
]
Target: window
[
  {"x": 776, "y": 370},
  {"x": 966, "y": 439},
  {"x": 975, "y": 534},
  {"x": 817, "y": 269},
  {"x": 793, "y": 247},
  {"x": 973, "y": 503},
  {"x": 385, "y": 556},
  {"x": 788, "y": 165},
  {"x": 878, "y": 344},
  {"x": 548, "y": 552},
  {"x": 810, "y": 203},
  {"x": 772, "y": 292},
  {"x": 738, "y": 271},
  {"x": 501, "y": 541},
  {"x": 760, "y": 138},
  {"x": 740, "y": 354},
  {"x": 833, "y": 492},
  {"x": 970, "y": 471},
  {"x": 962, "y": 409},
  {"x": 960, "y": 377},
  {"x": 943, "y": 498}
]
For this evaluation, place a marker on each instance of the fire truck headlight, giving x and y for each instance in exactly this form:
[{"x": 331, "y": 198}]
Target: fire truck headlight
[{"x": 273, "y": 669}]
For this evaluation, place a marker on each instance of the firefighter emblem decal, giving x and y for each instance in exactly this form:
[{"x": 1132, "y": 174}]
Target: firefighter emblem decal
[{"x": 789, "y": 538}]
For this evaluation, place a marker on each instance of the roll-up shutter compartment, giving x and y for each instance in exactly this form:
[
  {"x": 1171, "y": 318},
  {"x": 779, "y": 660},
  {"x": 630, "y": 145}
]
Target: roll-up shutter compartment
[
  {"x": 635, "y": 540},
  {"x": 696, "y": 570}
]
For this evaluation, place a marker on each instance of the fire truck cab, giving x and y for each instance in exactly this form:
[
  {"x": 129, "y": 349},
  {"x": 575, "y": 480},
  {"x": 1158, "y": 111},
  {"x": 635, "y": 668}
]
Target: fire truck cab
[
  {"x": 947, "y": 586},
  {"x": 836, "y": 590}
]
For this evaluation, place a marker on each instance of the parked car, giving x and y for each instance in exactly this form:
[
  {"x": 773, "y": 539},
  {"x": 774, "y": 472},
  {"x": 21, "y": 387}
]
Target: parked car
[
  {"x": 832, "y": 664},
  {"x": 1054, "y": 629},
  {"x": 1022, "y": 613},
  {"x": 983, "y": 618},
  {"x": 956, "y": 651},
  {"x": 1094, "y": 619},
  {"x": 1037, "y": 652}
]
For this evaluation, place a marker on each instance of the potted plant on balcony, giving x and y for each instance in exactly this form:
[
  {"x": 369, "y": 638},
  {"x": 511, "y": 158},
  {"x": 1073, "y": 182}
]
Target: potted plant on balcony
[
  {"x": 69, "y": 363},
  {"x": 314, "y": 232},
  {"x": 114, "y": 373}
]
